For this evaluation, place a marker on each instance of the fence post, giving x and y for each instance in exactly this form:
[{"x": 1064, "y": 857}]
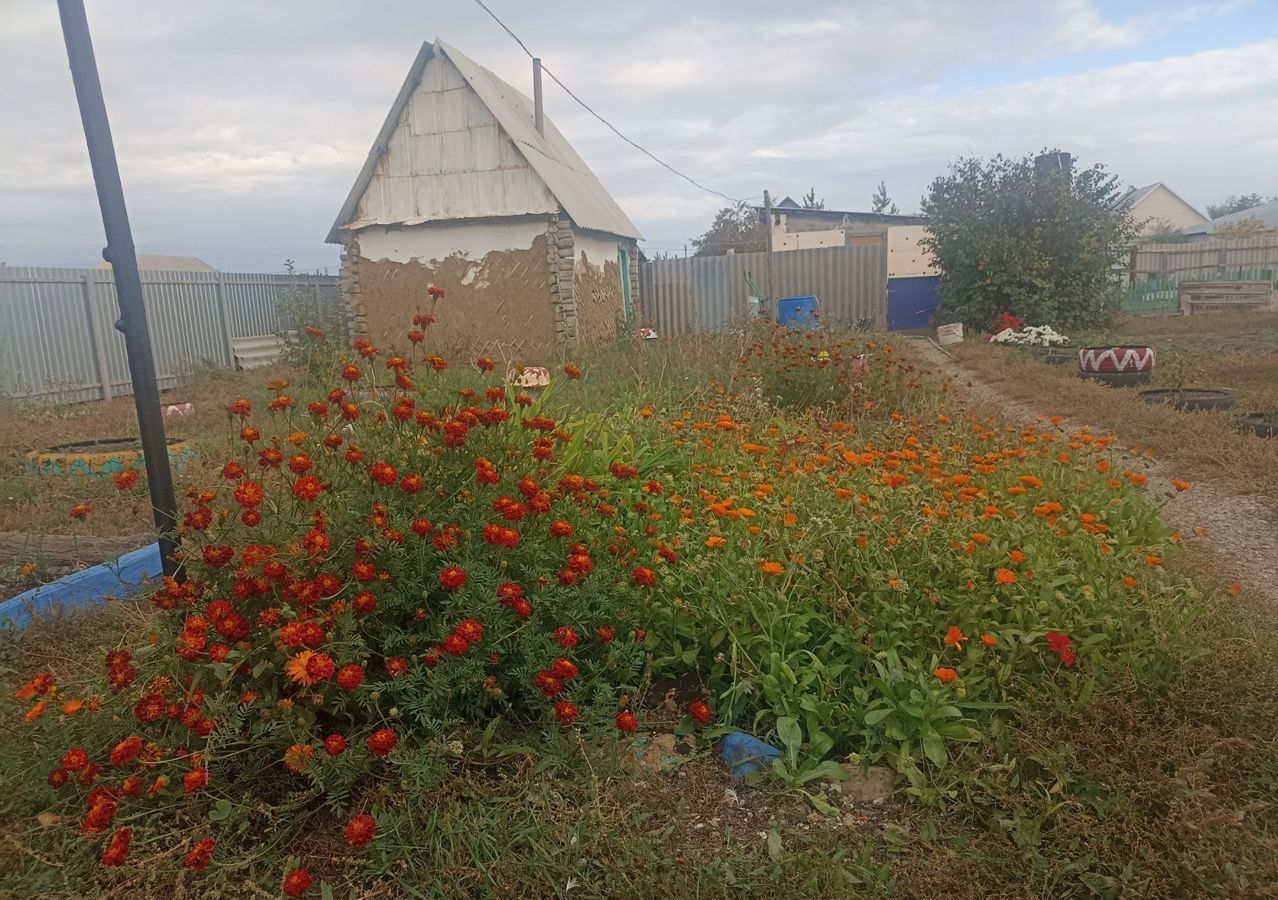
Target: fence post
[
  {"x": 100, "y": 366},
  {"x": 224, "y": 320},
  {"x": 319, "y": 310}
]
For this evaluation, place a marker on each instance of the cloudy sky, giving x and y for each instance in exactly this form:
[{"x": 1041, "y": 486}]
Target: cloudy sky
[{"x": 241, "y": 124}]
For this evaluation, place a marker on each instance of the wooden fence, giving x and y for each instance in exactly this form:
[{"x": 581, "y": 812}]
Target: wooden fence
[{"x": 1199, "y": 260}]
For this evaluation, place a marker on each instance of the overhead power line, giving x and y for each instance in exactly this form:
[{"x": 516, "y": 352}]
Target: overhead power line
[{"x": 613, "y": 128}]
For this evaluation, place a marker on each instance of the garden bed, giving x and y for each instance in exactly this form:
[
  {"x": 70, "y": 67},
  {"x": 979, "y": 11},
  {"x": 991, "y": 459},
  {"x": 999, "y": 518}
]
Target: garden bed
[{"x": 846, "y": 566}]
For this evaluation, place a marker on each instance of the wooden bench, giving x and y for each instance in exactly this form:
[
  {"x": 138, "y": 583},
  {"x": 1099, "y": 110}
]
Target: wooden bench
[{"x": 1246, "y": 296}]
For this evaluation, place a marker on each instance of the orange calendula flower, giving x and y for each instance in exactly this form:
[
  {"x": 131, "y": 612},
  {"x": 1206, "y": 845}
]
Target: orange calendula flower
[
  {"x": 945, "y": 675},
  {"x": 1005, "y": 576},
  {"x": 1235, "y": 589},
  {"x": 1181, "y": 485},
  {"x": 771, "y": 567},
  {"x": 955, "y": 637},
  {"x": 1153, "y": 560},
  {"x": 71, "y": 707},
  {"x": 297, "y": 669},
  {"x": 36, "y": 711},
  {"x": 715, "y": 541},
  {"x": 1017, "y": 557},
  {"x": 989, "y": 640},
  {"x": 1129, "y": 582}
]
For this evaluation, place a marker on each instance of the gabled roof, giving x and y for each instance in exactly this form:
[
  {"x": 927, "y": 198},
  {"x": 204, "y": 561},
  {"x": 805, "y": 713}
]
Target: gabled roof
[
  {"x": 1267, "y": 213},
  {"x": 575, "y": 187},
  {"x": 1136, "y": 195},
  {"x": 168, "y": 263}
]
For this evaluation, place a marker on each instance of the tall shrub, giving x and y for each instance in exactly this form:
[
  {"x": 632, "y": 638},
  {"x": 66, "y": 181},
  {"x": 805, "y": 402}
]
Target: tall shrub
[{"x": 1043, "y": 245}]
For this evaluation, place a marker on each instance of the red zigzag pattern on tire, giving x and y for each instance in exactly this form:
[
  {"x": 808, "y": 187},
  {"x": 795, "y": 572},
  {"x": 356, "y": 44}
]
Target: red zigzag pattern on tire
[{"x": 1134, "y": 359}]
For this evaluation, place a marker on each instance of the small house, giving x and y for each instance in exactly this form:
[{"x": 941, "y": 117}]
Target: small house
[
  {"x": 1266, "y": 214},
  {"x": 470, "y": 189},
  {"x": 1157, "y": 206},
  {"x": 795, "y": 227}
]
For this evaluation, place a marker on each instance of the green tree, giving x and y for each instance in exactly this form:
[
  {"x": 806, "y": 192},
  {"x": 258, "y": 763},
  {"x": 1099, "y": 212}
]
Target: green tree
[
  {"x": 1235, "y": 203},
  {"x": 810, "y": 200},
  {"x": 1041, "y": 246},
  {"x": 737, "y": 228},
  {"x": 881, "y": 202}
]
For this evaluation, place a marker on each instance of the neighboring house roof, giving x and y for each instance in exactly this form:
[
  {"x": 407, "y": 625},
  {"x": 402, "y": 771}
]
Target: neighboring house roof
[
  {"x": 1134, "y": 196},
  {"x": 574, "y": 186},
  {"x": 168, "y": 263},
  {"x": 840, "y": 215},
  {"x": 787, "y": 203},
  {"x": 1267, "y": 213}
]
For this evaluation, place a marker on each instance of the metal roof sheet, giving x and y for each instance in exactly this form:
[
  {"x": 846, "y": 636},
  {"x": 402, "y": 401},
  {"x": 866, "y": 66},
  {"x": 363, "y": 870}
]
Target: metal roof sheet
[
  {"x": 1267, "y": 213},
  {"x": 574, "y": 185}
]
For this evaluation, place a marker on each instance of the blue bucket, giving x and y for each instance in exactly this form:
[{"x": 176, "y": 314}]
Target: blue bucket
[{"x": 797, "y": 312}]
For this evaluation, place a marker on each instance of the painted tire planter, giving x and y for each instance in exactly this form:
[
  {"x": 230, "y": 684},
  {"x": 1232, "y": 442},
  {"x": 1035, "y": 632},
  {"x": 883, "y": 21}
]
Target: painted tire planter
[
  {"x": 100, "y": 459},
  {"x": 1191, "y": 399},
  {"x": 1260, "y": 424},
  {"x": 1117, "y": 366}
]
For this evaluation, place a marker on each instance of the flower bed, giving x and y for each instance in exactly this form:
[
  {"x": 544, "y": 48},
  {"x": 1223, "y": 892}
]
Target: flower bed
[{"x": 847, "y": 563}]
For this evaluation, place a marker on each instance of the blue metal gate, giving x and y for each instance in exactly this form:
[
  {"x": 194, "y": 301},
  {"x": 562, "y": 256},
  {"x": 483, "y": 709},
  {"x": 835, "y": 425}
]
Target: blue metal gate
[{"x": 912, "y": 301}]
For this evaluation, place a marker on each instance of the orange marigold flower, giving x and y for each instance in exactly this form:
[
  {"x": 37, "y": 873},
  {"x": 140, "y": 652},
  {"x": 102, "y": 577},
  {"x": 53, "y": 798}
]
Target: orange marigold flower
[
  {"x": 771, "y": 567},
  {"x": 298, "y": 669},
  {"x": 944, "y": 675},
  {"x": 81, "y": 511},
  {"x": 1005, "y": 576},
  {"x": 1031, "y": 481},
  {"x": 126, "y": 480},
  {"x": 298, "y": 757},
  {"x": 715, "y": 541},
  {"x": 1181, "y": 485}
]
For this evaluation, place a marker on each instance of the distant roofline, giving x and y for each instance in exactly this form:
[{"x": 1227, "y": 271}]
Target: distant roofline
[{"x": 832, "y": 213}]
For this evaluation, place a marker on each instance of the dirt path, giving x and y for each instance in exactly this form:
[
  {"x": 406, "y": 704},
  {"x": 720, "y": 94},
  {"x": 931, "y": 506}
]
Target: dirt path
[{"x": 1242, "y": 531}]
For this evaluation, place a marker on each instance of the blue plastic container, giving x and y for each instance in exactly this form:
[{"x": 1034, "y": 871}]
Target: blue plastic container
[{"x": 797, "y": 312}]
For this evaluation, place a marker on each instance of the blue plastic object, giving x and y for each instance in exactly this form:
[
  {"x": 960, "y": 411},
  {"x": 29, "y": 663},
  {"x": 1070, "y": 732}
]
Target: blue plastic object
[
  {"x": 796, "y": 312},
  {"x": 88, "y": 587},
  {"x": 745, "y": 754}
]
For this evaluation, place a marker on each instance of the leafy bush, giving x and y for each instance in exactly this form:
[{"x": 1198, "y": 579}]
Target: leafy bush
[{"x": 1041, "y": 245}]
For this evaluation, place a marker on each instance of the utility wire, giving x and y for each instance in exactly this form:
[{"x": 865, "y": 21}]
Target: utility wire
[{"x": 611, "y": 127}]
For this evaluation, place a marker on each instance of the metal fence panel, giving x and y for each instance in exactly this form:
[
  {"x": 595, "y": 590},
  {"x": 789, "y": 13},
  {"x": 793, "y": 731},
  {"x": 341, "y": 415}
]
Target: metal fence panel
[
  {"x": 685, "y": 296},
  {"x": 1212, "y": 258},
  {"x": 57, "y": 326}
]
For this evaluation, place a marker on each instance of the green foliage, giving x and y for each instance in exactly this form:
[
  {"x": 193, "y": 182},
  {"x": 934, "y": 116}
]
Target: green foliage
[
  {"x": 737, "y": 228},
  {"x": 810, "y": 200},
  {"x": 1236, "y": 203},
  {"x": 1042, "y": 246},
  {"x": 881, "y": 202}
]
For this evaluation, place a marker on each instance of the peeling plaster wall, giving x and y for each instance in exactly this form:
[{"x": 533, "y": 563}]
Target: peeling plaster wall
[{"x": 597, "y": 286}]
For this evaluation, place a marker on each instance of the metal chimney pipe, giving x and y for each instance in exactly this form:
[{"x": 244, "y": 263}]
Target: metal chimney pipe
[{"x": 539, "y": 116}]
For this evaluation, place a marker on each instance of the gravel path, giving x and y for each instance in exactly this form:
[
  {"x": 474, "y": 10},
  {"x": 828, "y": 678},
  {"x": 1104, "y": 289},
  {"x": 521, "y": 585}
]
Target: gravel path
[{"x": 1242, "y": 531}]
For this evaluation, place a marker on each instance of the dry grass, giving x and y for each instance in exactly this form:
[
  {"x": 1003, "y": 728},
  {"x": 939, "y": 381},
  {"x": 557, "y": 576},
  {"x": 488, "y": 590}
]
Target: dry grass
[
  {"x": 40, "y": 505},
  {"x": 1224, "y": 350}
]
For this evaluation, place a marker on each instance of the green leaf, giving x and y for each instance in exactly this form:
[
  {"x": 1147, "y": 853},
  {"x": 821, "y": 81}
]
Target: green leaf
[
  {"x": 875, "y": 716},
  {"x": 934, "y": 747},
  {"x": 774, "y": 845},
  {"x": 221, "y": 811},
  {"x": 791, "y": 736},
  {"x": 326, "y": 891}
]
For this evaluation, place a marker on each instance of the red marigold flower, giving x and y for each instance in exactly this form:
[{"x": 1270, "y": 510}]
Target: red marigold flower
[
  {"x": 75, "y": 759},
  {"x": 81, "y": 511},
  {"x": 564, "y": 668},
  {"x": 58, "y": 777},
  {"x": 308, "y": 487},
  {"x": 334, "y": 745},
  {"x": 700, "y": 712},
  {"x": 471, "y": 629},
  {"x": 242, "y": 408},
  {"x": 396, "y": 666},
  {"x": 360, "y": 830},
  {"x": 126, "y": 479},
  {"x": 452, "y": 578},
  {"x": 572, "y": 371},
  {"x": 484, "y": 364},
  {"x": 115, "y": 852},
  {"x": 126, "y": 751},
  {"x": 320, "y": 666},
  {"x": 411, "y": 483},
  {"x": 199, "y": 857},
  {"x": 566, "y": 637},
  {"x": 643, "y": 575},
  {"x": 456, "y": 645},
  {"x": 232, "y": 470},
  {"x": 1057, "y": 643},
  {"x": 382, "y": 741},
  {"x": 626, "y": 721},
  {"x": 195, "y": 780},
  {"x": 548, "y": 683},
  {"x": 351, "y": 373},
  {"x": 383, "y": 473},
  {"x": 566, "y": 712},
  {"x": 350, "y": 677},
  {"x": 298, "y": 882},
  {"x": 606, "y": 634}
]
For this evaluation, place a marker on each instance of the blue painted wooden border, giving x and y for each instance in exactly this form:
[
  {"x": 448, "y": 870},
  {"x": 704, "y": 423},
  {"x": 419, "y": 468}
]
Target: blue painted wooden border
[{"x": 88, "y": 587}]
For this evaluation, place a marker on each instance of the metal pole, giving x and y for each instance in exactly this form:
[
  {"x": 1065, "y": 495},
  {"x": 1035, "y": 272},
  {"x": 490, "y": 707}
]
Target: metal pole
[
  {"x": 124, "y": 269},
  {"x": 539, "y": 116},
  {"x": 767, "y": 204}
]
